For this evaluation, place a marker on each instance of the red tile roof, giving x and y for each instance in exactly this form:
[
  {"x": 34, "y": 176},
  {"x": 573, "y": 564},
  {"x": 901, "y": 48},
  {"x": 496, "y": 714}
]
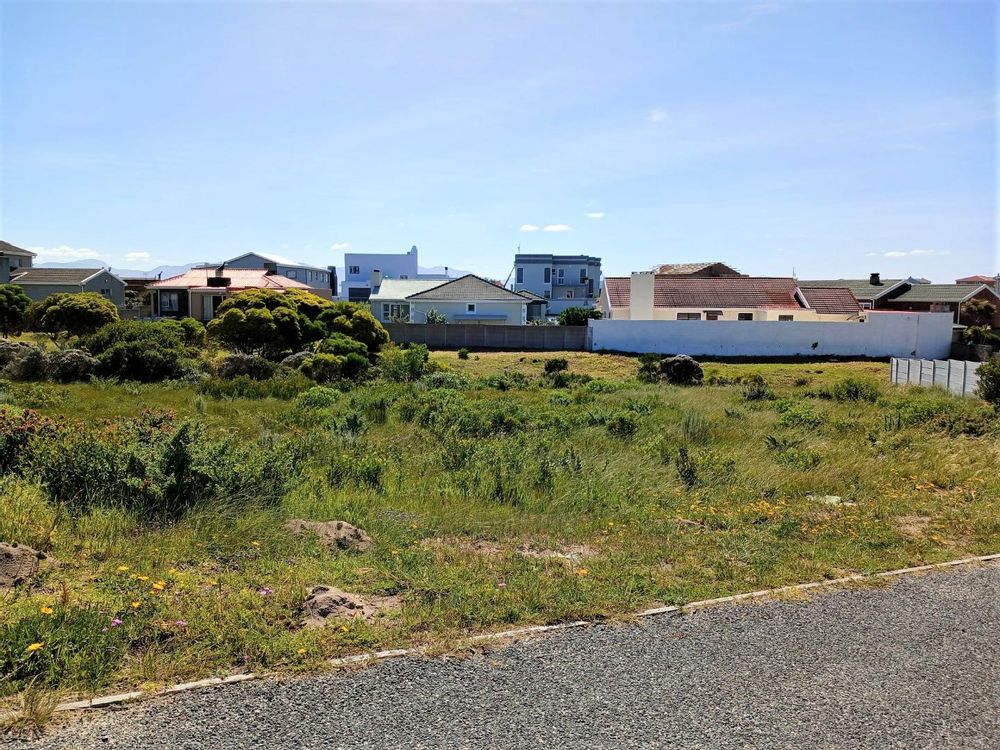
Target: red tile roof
[
  {"x": 975, "y": 280},
  {"x": 832, "y": 301},
  {"x": 733, "y": 291},
  {"x": 619, "y": 290},
  {"x": 239, "y": 278}
]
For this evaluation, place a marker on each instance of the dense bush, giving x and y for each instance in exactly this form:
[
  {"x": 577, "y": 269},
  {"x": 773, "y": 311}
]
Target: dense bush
[
  {"x": 252, "y": 366},
  {"x": 14, "y": 304},
  {"x": 138, "y": 350},
  {"x": 284, "y": 387},
  {"x": 556, "y": 364},
  {"x": 294, "y": 361},
  {"x": 446, "y": 379},
  {"x": 342, "y": 345},
  {"x": 75, "y": 314},
  {"x": 980, "y": 335},
  {"x": 578, "y": 316},
  {"x": 268, "y": 322},
  {"x": 755, "y": 388},
  {"x": 676, "y": 370},
  {"x": 152, "y": 465},
  {"x": 192, "y": 331},
  {"x": 317, "y": 397},
  {"x": 403, "y": 365},
  {"x": 356, "y": 322},
  {"x": 855, "y": 389},
  {"x": 69, "y": 365},
  {"x": 463, "y": 353},
  {"x": 989, "y": 382},
  {"x": 11, "y": 350}
]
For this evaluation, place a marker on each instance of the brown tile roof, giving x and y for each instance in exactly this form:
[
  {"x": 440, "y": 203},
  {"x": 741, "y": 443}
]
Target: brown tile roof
[
  {"x": 976, "y": 280},
  {"x": 239, "y": 278},
  {"x": 619, "y": 290},
  {"x": 469, "y": 287},
  {"x": 686, "y": 269},
  {"x": 68, "y": 276},
  {"x": 832, "y": 301},
  {"x": 732, "y": 291}
]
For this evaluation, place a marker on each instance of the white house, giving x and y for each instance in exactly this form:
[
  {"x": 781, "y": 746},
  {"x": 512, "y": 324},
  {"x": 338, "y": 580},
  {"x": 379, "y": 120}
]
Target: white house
[
  {"x": 363, "y": 272},
  {"x": 468, "y": 299}
]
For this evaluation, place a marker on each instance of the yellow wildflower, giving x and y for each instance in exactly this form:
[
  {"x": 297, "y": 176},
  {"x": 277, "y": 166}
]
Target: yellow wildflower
[
  {"x": 35, "y": 647},
  {"x": 301, "y": 651},
  {"x": 136, "y": 604},
  {"x": 122, "y": 568},
  {"x": 46, "y": 610},
  {"x": 159, "y": 585},
  {"x": 255, "y": 543},
  {"x": 344, "y": 628},
  {"x": 582, "y": 571}
]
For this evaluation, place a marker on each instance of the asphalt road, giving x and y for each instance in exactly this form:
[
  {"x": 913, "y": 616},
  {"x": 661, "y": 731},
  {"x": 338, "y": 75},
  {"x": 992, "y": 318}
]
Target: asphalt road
[{"x": 911, "y": 665}]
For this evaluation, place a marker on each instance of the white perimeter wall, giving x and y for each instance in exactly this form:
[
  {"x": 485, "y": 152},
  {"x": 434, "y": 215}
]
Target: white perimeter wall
[{"x": 922, "y": 335}]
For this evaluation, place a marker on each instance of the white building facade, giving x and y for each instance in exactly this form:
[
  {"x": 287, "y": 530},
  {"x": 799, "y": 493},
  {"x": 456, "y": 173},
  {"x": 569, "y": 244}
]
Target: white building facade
[
  {"x": 363, "y": 272},
  {"x": 564, "y": 280}
]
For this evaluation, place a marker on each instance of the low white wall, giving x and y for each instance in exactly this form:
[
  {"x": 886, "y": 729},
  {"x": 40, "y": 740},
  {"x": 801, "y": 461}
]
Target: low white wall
[{"x": 922, "y": 335}]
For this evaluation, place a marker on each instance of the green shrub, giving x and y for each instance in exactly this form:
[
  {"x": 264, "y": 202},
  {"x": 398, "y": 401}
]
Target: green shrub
[
  {"x": 191, "y": 331},
  {"x": 403, "y": 365},
  {"x": 556, "y": 364},
  {"x": 364, "y": 468},
  {"x": 694, "y": 427},
  {"x": 327, "y": 368},
  {"x": 285, "y": 387},
  {"x": 29, "y": 364},
  {"x": 755, "y": 388},
  {"x": 623, "y": 426},
  {"x": 357, "y": 322},
  {"x": 463, "y": 353},
  {"x": 676, "y": 370},
  {"x": 687, "y": 470},
  {"x": 252, "y": 366},
  {"x": 18, "y": 428},
  {"x": 507, "y": 382},
  {"x": 798, "y": 414},
  {"x": 989, "y": 382},
  {"x": 317, "y": 397},
  {"x": 578, "y": 316},
  {"x": 341, "y": 345},
  {"x": 138, "y": 350},
  {"x": 76, "y": 314},
  {"x": 855, "y": 389},
  {"x": 453, "y": 380},
  {"x": 14, "y": 304}
]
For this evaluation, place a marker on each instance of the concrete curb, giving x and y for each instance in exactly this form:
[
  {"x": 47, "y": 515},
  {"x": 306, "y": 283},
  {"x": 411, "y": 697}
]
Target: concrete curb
[{"x": 376, "y": 656}]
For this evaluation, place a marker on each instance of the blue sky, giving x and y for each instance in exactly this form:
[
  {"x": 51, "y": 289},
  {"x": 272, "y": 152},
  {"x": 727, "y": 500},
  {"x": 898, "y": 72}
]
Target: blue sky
[{"x": 830, "y": 137}]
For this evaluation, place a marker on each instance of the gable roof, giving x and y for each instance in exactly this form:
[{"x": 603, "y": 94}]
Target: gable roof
[
  {"x": 57, "y": 276},
  {"x": 722, "y": 292},
  {"x": 619, "y": 290},
  {"x": 832, "y": 301},
  {"x": 239, "y": 278},
  {"x": 861, "y": 288},
  {"x": 8, "y": 249},
  {"x": 469, "y": 287},
  {"x": 979, "y": 279},
  {"x": 280, "y": 260},
  {"x": 942, "y": 292},
  {"x": 396, "y": 289},
  {"x": 686, "y": 269}
]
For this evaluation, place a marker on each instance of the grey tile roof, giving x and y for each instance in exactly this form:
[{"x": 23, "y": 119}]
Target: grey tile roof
[
  {"x": 862, "y": 288},
  {"x": 66, "y": 276},
  {"x": 396, "y": 289},
  {"x": 469, "y": 287},
  {"x": 9, "y": 249},
  {"x": 938, "y": 293}
]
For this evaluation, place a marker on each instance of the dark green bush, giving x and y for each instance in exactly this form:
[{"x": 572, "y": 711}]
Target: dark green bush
[
  {"x": 76, "y": 314},
  {"x": 317, "y": 397},
  {"x": 855, "y": 389},
  {"x": 989, "y": 382},
  {"x": 578, "y": 316},
  {"x": 138, "y": 350},
  {"x": 403, "y": 365},
  {"x": 623, "y": 426},
  {"x": 252, "y": 366},
  {"x": 342, "y": 345},
  {"x": 755, "y": 388},
  {"x": 285, "y": 387},
  {"x": 556, "y": 364},
  {"x": 463, "y": 353},
  {"x": 679, "y": 369}
]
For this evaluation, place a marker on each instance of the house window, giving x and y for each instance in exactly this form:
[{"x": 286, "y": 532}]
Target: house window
[
  {"x": 688, "y": 316},
  {"x": 106, "y": 292},
  {"x": 169, "y": 302},
  {"x": 520, "y": 275},
  {"x": 866, "y": 305},
  {"x": 786, "y": 318},
  {"x": 355, "y": 270},
  {"x": 404, "y": 276},
  {"x": 713, "y": 314},
  {"x": 583, "y": 275},
  {"x": 569, "y": 294},
  {"x": 292, "y": 274},
  {"x": 744, "y": 316},
  {"x": 395, "y": 312},
  {"x": 471, "y": 307},
  {"x": 548, "y": 275},
  {"x": 561, "y": 275}
]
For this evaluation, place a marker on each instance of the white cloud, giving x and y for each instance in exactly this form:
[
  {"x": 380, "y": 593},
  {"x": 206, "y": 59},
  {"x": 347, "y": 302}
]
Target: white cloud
[
  {"x": 529, "y": 228},
  {"x": 910, "y": 253},
  {"x": 556, "y": 228},
  {"x": 657, "y": 115},
  {"x": 139, "y": 255},
  {"x": 596, "y": 215},
  {"x": 340, "y": 245},
  {"x": 64, "y": 252}
]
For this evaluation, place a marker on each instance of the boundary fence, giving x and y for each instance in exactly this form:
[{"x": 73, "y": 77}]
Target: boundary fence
[
  {"x": 955, "y": 375},
  {"x": 475, "y": 336}
]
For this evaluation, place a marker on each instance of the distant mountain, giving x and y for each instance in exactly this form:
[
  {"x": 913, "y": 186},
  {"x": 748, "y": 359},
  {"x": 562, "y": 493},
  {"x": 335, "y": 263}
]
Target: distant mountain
[{"x": 162, "y": 271}]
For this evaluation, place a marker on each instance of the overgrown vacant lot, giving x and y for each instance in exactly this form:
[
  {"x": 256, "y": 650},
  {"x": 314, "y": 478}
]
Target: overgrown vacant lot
[{"x": 493, "y": 494}]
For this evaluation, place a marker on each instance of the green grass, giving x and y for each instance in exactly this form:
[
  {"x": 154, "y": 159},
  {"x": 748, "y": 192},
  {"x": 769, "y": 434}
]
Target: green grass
[{"x": 451, "y": 483}]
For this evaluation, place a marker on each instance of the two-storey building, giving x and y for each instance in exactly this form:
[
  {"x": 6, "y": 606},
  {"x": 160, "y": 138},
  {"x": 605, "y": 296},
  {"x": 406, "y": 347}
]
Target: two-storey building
[
  {"x": 365, "y": 271},
  {"x": 564, "y": 280}
]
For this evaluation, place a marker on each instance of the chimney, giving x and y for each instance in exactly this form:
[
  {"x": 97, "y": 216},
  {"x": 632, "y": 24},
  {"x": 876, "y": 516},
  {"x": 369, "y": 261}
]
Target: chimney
[
  {"x": 220, "y": 271},
  {"x": 875, "y": 279},
  {"x": 376, "y": 278}
]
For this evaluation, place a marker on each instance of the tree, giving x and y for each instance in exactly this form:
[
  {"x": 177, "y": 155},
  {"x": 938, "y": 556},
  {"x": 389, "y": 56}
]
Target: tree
[
  {"x": 989, "y": 382},
  {"x": 978, "y": 312},
  {"x": 435, "y": 318},
  {"x": 356, "y": 321},
  {"x": 269, "y": 322},
  {"x": 75, "y": 314},
  {"x": 14, "y": 304},
  {"x": 578, "y": 316}
]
